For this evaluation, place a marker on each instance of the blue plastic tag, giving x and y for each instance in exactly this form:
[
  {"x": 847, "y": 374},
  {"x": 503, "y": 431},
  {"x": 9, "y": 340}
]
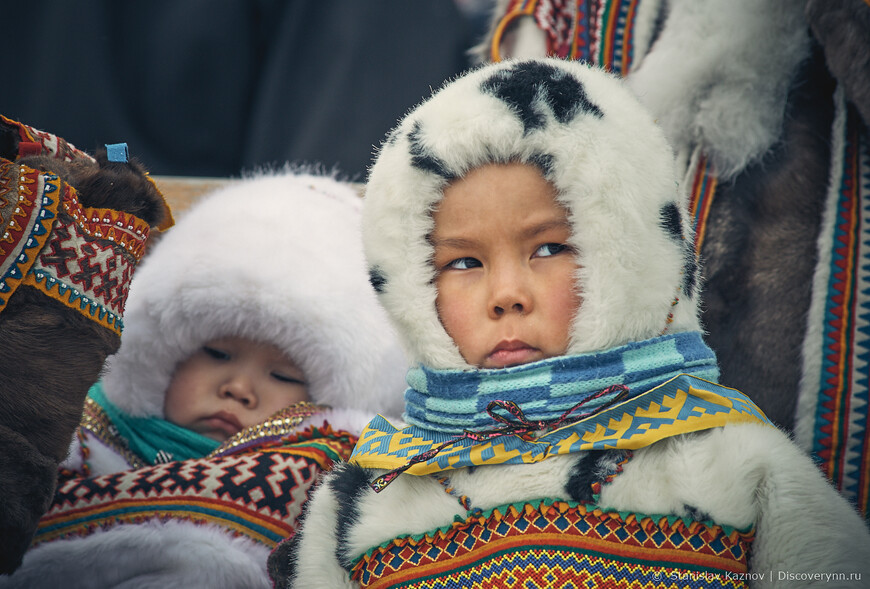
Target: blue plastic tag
[{"x": 117, "y": 152}]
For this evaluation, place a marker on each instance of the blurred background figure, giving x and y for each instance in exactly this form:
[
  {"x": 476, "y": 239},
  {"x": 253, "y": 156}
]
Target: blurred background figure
[{"x": 205, "y": 88}]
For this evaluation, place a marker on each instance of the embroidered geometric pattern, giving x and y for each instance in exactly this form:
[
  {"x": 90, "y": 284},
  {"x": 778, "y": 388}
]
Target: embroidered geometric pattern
[
  {"x": 40, "y": 142},
  {"x": 614, "y": 25},
  {"x": 559, "y": 544},
  {"x": 89, "y": 259},
  {"x": 82, "y": 257},
  {"x": 258, "y": 494},
  {"x": 838, "y": 384},
  {"x": 29, "y": 205},
  {"x": 680, "y": 405},
  {"x": 595, "y": 31}
]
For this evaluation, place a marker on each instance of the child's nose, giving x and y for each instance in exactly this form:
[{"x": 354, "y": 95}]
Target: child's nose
[
  {"x": 509, "y": 292},
  {"x": 239, "y": 388}
]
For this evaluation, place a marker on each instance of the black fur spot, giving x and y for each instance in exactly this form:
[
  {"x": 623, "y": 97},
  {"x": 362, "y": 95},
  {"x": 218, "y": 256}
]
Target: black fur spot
[
  {"x": 281, "y": 563},
  {"x": 690, "y": 272},
  {"x": 671, "y": 221},
  {"x": 696, "y": 514},
  {"x": 377, "y": 279},
  {"x": 349, "y": 483},
  {"x": 581, "y": 479},
  {"x": 593, "y": 467},
  {"x": 544, "y": 162},
  {"x": 423, "y": 159},
  {"x": 526, "y": 86}
]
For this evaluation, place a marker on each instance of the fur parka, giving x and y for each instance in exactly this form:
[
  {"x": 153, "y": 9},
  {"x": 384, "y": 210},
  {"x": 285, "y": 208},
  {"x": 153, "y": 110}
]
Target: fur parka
[{"x": 615, "y": 175}]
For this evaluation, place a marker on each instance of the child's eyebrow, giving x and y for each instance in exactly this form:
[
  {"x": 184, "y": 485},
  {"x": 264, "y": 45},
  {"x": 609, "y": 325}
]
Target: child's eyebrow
[
  {"x": 452, "y": 242},
  {"x": 527, "y": 233},
  {"x": 535, "y": 230}
]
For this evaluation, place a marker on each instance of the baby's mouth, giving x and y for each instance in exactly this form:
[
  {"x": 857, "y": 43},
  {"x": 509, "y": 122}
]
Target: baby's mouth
[
  {"x": 224, "y": 422},
  {"x": 511, "y": 353}
]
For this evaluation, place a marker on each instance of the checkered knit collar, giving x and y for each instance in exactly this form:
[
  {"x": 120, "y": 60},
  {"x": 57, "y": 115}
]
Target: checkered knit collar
[{"x": 453, "y": 401}]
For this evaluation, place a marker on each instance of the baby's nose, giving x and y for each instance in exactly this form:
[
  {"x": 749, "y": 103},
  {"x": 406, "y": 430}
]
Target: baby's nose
[{"x": 240, "y": 388}]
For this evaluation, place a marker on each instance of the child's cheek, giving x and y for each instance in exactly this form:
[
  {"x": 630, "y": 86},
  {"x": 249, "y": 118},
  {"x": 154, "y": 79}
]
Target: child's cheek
[{"x": 455, "y": 303}]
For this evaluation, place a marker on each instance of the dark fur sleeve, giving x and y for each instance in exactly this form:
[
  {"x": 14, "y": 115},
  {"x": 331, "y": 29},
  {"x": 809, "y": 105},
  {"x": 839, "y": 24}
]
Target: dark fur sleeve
[
  {"x": 50, "y": 354},
  {"x": 842, "y": 27}
]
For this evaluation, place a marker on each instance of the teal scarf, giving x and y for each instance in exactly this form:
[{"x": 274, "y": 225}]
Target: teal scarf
[
  {"x": 453, "y": 401},
  {"x": 151, "y": 438}
]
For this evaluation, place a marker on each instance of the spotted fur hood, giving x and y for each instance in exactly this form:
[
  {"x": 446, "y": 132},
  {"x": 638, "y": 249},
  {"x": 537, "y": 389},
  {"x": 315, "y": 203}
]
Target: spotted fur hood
[
  {"x": 612, "y": 168},
  {"x": 278, "y": 259}
]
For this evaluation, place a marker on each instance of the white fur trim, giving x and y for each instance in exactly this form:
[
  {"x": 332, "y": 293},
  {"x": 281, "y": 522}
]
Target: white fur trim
[
  {"x": 811, "y": 377},
  {"x": 316, "y": 563},
  {"x": 276, "y": 258},
  {"x": 349, "y": 420},
  {"x": 151, "y": 555},
  {"x": 718, "y": 75},
  {"x": 614, "y": 174}
]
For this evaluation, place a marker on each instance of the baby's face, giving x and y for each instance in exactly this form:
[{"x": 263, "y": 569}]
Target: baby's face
[
  {"x": 230, "y": 384},
  {"x": 505, "y": 274}
]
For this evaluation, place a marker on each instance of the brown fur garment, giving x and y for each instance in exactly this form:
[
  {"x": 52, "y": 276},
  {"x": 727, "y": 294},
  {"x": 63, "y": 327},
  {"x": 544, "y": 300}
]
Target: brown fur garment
[
  {"x": 842, "y": 27},
  {"x": 760, "y": 253},
  {"x": 107, "y": 185},
  {"x": 51, "y": 355}
]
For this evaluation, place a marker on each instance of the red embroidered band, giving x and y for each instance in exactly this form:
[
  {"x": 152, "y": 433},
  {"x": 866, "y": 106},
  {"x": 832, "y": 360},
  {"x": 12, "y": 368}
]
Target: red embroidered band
[{"x": 79, "y": 256}]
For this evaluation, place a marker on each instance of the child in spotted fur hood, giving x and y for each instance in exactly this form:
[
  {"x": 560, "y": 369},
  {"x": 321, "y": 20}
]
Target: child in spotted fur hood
[
  {"x": 525, "y": 231},
  {"x": 253, "y": 354}
]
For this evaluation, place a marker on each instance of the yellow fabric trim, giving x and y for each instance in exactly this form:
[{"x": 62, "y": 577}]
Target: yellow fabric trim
[{"x": 635, "y": 423}]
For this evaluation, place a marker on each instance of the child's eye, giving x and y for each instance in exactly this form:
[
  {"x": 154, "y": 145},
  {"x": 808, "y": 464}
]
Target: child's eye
[
  {"x": 216, "y": 353},
  {"x": 550, "y": 249},
  {"x": 288, "y": 379},
  {"x": 464, "y": 264}
]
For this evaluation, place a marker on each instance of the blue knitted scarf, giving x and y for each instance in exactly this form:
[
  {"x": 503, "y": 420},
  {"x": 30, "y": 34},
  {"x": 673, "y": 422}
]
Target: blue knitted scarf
[{"x": 452, "y": 401}]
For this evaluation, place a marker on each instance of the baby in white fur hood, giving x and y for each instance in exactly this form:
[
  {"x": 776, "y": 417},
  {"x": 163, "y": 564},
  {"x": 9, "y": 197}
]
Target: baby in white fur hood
[{"x": 254, "y": 351}]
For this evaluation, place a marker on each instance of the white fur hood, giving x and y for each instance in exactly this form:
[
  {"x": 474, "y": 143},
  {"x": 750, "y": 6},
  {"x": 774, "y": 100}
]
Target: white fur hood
[
  {"x": 612, "y": 168},
  {"x": 276, "y": 258}
]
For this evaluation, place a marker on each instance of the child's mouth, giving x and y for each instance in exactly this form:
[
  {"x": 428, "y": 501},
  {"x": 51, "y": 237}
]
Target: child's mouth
[
  {"x": 510, "y": 353},
  {"x": 224, "y": 422}
]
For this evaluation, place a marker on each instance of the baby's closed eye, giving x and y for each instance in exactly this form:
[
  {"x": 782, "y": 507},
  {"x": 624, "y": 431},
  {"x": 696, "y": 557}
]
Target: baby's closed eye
[
  {"x": 286, "y": 378},
  {"x": 216, "y": 353}
]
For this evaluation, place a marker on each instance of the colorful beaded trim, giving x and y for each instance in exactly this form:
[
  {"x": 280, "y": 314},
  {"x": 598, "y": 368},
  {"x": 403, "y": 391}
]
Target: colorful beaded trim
[
  {"x": 82, "y": 257},
  {"x": 555, "y": 544}
]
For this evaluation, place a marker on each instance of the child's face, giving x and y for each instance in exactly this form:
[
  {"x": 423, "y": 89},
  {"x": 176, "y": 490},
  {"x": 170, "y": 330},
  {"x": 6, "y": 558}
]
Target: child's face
[
  {"x": 505, "y": 276},
  {"x": 230, "y": 384}
]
